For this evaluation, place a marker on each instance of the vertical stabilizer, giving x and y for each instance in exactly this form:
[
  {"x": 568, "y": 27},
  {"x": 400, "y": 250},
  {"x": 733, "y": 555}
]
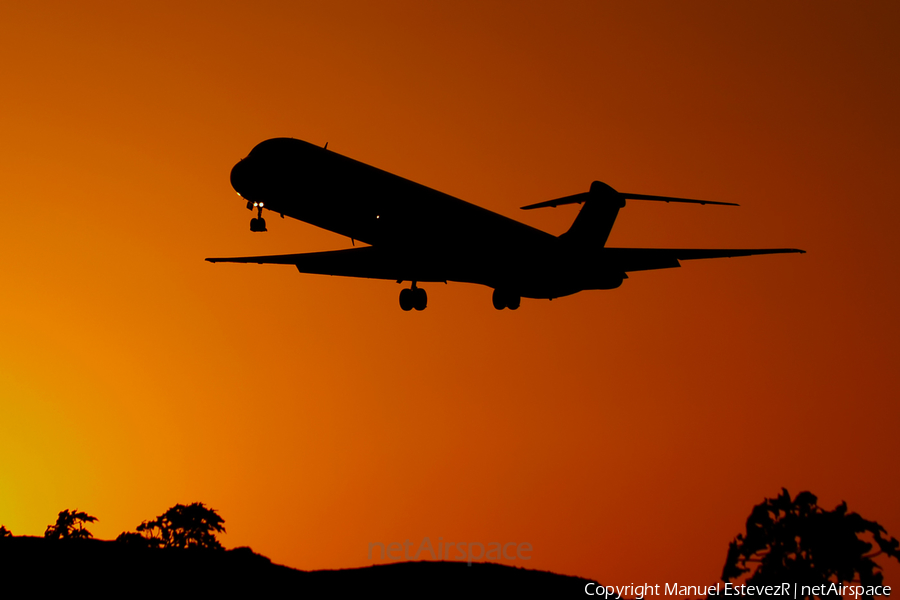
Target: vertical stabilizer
[{"x": 596, "y": 218}]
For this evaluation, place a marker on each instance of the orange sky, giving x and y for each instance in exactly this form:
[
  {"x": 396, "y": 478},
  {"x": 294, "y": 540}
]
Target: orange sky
[{"x": 625, "y": 434}]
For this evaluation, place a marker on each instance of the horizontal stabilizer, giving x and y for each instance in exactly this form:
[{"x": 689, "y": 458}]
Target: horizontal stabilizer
[
  {"x": 584, "y": 196},
  {"x": 670, "y": 199}
]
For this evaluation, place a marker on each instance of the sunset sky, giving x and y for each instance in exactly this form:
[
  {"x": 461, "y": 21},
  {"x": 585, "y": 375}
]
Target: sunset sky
[{"x": 624, "y": 434}]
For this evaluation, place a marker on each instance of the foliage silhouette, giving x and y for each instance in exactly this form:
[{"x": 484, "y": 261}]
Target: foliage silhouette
[
  {"x": 136, "y": 539},
  {"x": 191, "y": 526},
  {"x": 70, "y": 525},
  {"x": 4, "y": 532},
  {"x": 800, "y": 542}
]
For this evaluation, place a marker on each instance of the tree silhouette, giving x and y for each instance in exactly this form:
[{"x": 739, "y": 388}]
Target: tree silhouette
[
  {"x": 136, "y": 539},
  {"x": 70, "y": 526},
  {"x": 191, "y": 526},
  {"x": 4, "y": 532},
  {"x": 800, "y": 542}
]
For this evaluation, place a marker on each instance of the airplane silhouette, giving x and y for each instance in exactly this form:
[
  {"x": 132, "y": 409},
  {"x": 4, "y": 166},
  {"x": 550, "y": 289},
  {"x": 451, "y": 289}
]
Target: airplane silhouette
[{"x": 418, "y": 234}]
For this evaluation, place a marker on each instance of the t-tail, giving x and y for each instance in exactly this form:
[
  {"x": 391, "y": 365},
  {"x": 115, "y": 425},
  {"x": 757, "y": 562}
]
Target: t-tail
[{"x": 596, "y": 218}]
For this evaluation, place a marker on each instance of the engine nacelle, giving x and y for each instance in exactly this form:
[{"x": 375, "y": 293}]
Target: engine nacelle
[{"x": 609, "y": 281}]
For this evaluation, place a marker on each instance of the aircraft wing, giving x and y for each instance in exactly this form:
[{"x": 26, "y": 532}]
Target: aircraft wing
[
  {"x": 367, "y": 262},
  {"x": 645, "y": 259}
]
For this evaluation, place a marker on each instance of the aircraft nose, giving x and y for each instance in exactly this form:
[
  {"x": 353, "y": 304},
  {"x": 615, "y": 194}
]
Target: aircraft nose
[{"x": 240, "y": 179}]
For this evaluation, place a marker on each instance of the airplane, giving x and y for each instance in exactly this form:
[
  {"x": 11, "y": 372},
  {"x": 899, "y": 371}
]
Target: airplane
[{"x": 419, "y": 235}]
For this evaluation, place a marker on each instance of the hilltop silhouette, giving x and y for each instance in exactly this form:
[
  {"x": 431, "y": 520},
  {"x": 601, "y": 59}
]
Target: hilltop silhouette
[
  {"x": 114, "y": 567},
  {"x": 177, "y": 553}
]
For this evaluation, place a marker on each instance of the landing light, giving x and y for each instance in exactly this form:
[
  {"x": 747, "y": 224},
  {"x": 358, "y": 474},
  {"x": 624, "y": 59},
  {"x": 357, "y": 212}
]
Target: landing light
[
  {"x": 260, "y": 204},
  {"x": 239, "y": 194}
]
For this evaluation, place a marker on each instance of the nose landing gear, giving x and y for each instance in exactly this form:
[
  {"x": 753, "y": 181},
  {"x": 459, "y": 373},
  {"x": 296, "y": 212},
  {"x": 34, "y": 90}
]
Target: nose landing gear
[
  {"x": 257, "y": 224},
  {"x": 413, "y": 298}
]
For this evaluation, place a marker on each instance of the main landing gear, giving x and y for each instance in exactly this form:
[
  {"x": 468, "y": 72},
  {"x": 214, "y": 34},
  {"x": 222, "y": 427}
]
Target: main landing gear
[
  {"x": 413, "y": 298},
  {"x": 503, "y": 299},
  {"x": 257, "y": 224}
]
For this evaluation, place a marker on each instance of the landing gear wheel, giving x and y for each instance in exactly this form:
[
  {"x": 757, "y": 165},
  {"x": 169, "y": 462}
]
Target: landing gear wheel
[
  {"x": 420, "y": 298},
  {"x": 502, "y": 299},
  {"x": 413, "y": 298},
  {"x": 499, "y": 300},
  {"x": 407, "y": 299}
]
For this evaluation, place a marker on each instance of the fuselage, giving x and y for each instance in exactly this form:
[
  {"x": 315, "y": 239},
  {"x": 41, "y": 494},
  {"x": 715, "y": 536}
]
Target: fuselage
[{"x": 442, "y": 238}]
